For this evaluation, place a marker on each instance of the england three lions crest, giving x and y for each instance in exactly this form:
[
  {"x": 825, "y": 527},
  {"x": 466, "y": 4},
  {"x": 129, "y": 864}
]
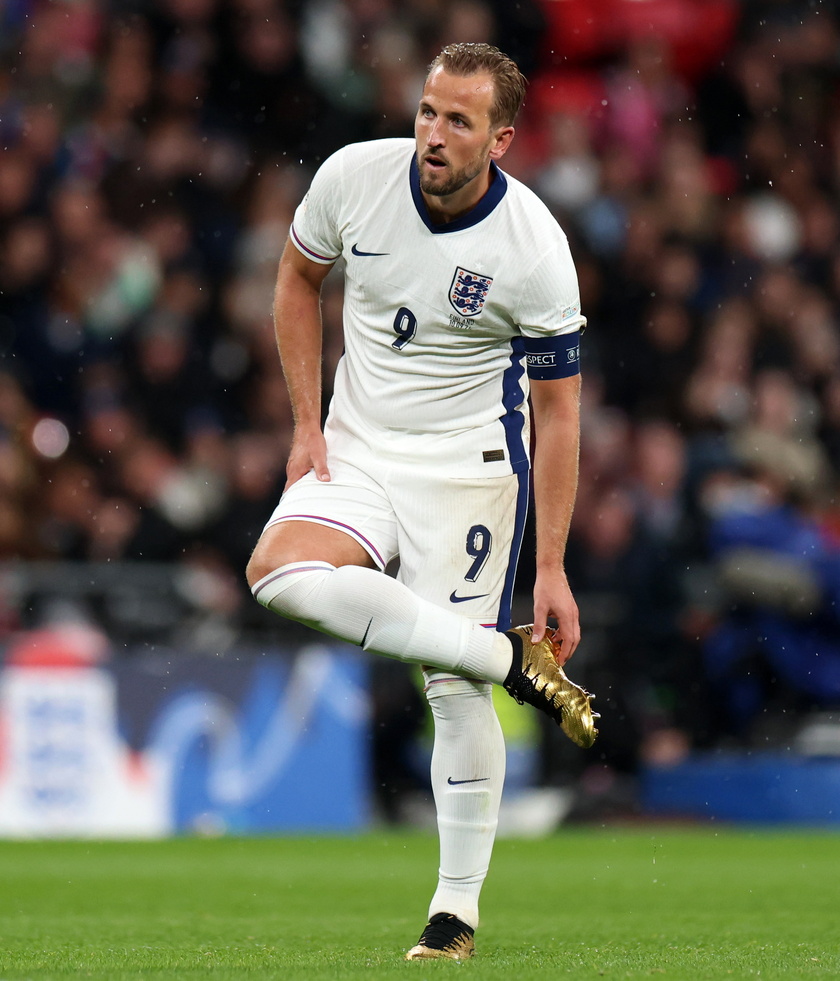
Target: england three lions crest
[{"x": 469, "y": 291}]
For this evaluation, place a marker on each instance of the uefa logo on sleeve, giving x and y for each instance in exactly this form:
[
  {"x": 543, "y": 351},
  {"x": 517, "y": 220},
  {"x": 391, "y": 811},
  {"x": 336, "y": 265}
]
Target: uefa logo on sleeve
[{"x": 469, "y": 291}]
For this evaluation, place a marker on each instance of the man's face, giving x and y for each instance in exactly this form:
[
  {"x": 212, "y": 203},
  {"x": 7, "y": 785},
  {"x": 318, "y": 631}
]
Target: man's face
[{"x": 455, "y": 139}]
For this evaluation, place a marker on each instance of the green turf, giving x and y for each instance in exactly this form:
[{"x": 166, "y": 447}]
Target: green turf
[{"x": 589, "y": 904}]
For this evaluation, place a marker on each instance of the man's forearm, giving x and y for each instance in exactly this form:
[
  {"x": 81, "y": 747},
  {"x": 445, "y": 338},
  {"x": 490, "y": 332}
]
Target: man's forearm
[
  {"x": 298, "y": 329},
  {"x": 555, "y": 489},
  {"x": 556, "y": 461}
]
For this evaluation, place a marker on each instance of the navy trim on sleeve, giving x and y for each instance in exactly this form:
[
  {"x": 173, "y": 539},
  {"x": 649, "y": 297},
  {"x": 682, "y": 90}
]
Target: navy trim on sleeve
[
  {"x": 557, "y": 356},
  {"x": 309, "y": 252}
]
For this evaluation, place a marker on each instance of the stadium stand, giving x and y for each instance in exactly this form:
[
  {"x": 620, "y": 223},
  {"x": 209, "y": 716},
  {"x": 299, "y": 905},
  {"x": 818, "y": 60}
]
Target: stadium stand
[{"x": 153, "y": 153}]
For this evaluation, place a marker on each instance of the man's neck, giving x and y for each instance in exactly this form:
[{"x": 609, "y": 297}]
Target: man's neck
[{"x": 444, "y": 209}]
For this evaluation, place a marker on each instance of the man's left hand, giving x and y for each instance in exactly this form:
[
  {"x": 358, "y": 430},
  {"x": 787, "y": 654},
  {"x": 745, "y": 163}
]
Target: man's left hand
[{"x": 553, "y": 598}]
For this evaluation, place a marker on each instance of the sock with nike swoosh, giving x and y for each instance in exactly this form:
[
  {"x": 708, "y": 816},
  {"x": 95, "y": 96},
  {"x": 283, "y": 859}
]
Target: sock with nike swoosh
[
  {"x": 384, "y": 616},
  {"x": 468, "y": 772}
]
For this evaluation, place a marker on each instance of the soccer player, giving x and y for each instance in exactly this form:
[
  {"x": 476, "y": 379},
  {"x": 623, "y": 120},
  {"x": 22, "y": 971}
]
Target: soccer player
[{"x": 460, "y": 295}]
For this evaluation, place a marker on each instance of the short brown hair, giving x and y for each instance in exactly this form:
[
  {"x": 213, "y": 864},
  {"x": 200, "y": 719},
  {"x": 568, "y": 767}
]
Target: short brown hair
[{"x": 509, "y": 83}]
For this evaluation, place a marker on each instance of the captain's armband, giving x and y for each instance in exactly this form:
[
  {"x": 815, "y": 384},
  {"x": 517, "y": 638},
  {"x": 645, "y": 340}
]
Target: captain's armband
[{"x": 557, "y": 356}]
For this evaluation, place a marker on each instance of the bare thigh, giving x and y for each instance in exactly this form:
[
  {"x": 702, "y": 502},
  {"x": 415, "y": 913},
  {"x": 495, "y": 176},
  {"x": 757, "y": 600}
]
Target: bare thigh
[
  {"x": 347, "y": 520},
  {"x": 301, "y": 541}
]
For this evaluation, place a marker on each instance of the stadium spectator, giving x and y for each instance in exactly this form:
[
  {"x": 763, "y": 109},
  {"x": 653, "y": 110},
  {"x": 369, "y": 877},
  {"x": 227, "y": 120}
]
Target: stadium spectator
[{"x": 775, "y": 643}]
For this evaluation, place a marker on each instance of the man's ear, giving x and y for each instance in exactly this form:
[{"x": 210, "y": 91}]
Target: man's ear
[{"x": 501, "y": 142}]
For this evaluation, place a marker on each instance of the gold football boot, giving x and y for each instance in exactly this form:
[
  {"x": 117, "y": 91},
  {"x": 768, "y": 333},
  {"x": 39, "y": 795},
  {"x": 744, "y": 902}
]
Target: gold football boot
[
  {"x": 445, "y": 936},
  {"x": 536, "y": 678}
]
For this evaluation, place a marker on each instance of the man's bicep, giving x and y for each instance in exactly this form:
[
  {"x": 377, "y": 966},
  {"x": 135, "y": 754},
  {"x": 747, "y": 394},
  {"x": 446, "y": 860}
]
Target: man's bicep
[
  {"x": 556, "y": 397},
  {"x": 296, "y": 268}
]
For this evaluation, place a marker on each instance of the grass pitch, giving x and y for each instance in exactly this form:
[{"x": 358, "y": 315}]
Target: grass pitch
[{"x": 608, "y": 903}]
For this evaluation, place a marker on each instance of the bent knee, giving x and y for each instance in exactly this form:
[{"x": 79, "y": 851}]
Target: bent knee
[
  {"x": 267, "y": 557},
  {"x": 257, "y": 568},
  {"x": 270, "y": 553}
]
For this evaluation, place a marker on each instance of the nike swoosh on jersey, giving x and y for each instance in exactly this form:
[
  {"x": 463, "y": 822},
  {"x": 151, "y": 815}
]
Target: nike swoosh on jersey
[
  {"x": 463, "y": 599},
  {"x": 356, "y": 251},
  {"x": 455, "y": 783}
]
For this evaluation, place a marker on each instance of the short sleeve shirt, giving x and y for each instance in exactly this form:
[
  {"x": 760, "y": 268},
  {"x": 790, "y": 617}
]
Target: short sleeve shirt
[{"x": 440, "y": 321}]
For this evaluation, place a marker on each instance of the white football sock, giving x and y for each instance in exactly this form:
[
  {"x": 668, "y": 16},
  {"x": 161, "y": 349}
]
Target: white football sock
[
  {"x": 383, "y": 616},
  {"x": 468, "y": 773}
]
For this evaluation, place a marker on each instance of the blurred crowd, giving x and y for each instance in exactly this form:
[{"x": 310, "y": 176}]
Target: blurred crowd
[{"x": 153, "y": 154}]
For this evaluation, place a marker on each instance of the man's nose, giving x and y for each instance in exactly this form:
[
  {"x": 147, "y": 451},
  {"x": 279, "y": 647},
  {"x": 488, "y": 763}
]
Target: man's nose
[{"x": 436, "y": 137}]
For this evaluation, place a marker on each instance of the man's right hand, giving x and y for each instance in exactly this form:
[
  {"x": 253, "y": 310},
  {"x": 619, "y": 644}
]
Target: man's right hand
[{"x": 308, "y": 452}]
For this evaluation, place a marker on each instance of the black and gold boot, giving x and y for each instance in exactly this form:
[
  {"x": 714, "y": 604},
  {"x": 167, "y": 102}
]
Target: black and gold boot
[{"x": 537, "y": 679}]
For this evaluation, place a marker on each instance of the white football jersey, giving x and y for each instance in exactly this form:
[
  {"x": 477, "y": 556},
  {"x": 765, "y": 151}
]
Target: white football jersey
[{"x": 439, "y": 319}]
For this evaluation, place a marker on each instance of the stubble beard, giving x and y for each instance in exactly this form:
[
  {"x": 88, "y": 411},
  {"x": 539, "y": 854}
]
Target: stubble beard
[
  {"x": 442, "y": 185},
  {"x": 450, "y": 182}
]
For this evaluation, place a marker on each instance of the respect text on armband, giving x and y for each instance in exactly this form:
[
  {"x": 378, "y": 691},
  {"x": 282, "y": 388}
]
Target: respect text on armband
[{"x": 542, "y": 360}]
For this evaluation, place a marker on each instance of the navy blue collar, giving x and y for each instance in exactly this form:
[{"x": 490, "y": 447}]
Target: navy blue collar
[{"x": 495, "y": 193}]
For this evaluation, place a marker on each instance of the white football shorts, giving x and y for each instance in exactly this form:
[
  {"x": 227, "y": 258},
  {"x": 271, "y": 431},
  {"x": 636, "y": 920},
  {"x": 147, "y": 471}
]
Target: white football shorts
[{"x": 457, "y": 540}]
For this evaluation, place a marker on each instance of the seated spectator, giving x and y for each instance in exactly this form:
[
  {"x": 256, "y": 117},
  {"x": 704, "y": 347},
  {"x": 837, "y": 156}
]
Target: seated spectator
[{"x": 776, "y": 643}]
